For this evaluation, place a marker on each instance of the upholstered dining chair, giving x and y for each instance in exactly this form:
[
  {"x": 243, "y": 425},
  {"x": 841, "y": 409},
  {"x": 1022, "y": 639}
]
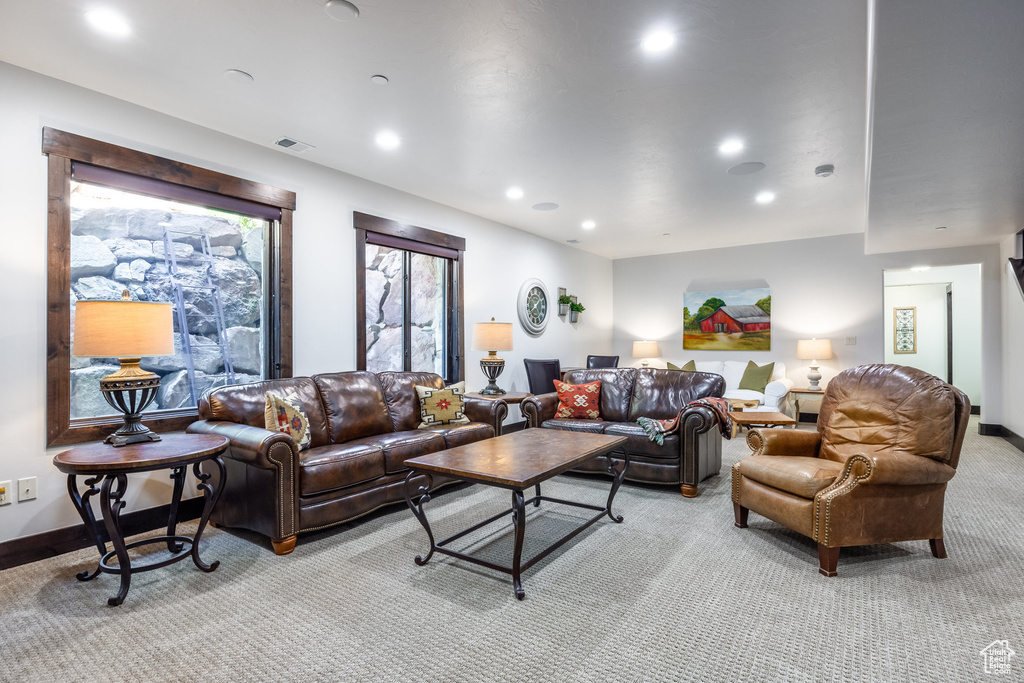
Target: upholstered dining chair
[
  {"x": 875, "y": 471},
  {"x": 541, "y": 373},
  {"x": 594, "y": 362}
]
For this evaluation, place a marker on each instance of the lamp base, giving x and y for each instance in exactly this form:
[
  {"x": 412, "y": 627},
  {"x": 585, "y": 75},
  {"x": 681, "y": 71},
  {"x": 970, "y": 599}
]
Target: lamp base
[
  {"x": 812, "y": 378},
  {"x": 130, "y": 390},
  {"x": 492, "y": 367}
]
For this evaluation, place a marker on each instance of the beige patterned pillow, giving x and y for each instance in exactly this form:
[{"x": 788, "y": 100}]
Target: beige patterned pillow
[
  {"x": 442, "y": 407},
  {"x": 285, "y": 414}
]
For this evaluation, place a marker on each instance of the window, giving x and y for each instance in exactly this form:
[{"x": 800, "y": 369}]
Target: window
[
  {"x": 217, "y": 247},
  {"x": 409, "y": 298}
]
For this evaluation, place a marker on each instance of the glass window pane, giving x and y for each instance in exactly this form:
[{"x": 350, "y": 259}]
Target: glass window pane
[
  {"x": 208, "y": 263},
  {"x": 385, "y": 270},
  {"x": 428, "y": 313}
]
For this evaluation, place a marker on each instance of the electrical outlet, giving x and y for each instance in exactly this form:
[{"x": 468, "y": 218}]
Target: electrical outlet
[
  {"x": 851, "y": 341},
  {"x": 6, "y": 492},
  {"x": 26, "y": 489}
]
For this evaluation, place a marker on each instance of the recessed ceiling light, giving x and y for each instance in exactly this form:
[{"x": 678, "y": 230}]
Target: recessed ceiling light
[
  {"x": 545, "y": 206},
  {"x": 658, "y": 40},
  {"x": 108, "y": 22},
  {"x": 379, "y": 79},
  {"x": 387, "y": 139},
  {"x": 589, "y": 225},
  {"x": 341, "y": 10},
  {"x": 746, "y": 168},
  {"x": 731, "y": 146},
  {"x": 514, "y": 193},
  {"x": 765, "y": 197},
  {"x": 941, "y": 227},
  {"x": 921, "y": 269},
  {"x": 238, "y": 76},
  {"x": 666, "y": 234}
]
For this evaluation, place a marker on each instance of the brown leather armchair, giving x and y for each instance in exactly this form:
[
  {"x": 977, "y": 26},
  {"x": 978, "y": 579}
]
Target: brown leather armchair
[{"x": 888, "y": 440}]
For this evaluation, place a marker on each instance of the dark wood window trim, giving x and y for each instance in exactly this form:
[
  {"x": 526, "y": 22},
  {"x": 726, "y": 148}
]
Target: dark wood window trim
[
  {"x": 64, "y": 149},
  {"x": 376, "y": 230}
]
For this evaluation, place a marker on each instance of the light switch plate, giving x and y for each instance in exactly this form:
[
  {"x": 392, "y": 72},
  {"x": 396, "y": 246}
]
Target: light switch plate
[
  {"x": 6, "y": 493},
  {"x": 26, "y": 489},
  {"x": 851, "y": 341}
]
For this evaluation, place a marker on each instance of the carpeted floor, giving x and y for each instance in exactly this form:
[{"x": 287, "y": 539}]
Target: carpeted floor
[{"x": 674, "y": 593}]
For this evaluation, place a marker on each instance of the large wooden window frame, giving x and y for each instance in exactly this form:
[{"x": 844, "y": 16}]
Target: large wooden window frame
[
  {"x": 65, "y": 149},
  {"x": 376, "y": 230}
]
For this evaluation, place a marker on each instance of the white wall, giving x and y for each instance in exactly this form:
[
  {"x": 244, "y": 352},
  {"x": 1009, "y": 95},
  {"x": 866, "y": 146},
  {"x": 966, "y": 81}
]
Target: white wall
[
  {"x": 823, "y": 287},
  {"x": 967, "y": 325},
  {"x": 498, "y": 260},
  {"x": 1013, "y": 343},
  {"x": 930, "y": 321}
]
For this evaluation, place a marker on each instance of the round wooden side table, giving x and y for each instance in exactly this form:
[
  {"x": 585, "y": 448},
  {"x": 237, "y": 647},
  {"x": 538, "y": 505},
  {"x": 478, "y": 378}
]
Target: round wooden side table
[{"x": 111, "y": 465}]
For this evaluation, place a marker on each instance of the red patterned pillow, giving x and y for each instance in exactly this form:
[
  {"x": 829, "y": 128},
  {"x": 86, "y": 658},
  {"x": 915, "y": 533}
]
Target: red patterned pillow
[{"x": 578, "y": 401}]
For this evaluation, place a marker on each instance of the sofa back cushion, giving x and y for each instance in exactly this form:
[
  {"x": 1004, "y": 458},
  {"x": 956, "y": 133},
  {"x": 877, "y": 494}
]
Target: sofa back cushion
[
  {"x": 354, "y": 404},
  {"x": 616, "y": 389},
  {"x": 246, "y": 404},
  {"x": 661, "y": 394},
  {"x": 400, "y": 395}
]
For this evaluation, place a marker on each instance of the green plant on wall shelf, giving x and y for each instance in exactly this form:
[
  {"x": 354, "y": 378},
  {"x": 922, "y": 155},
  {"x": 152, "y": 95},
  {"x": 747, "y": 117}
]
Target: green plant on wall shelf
[
  {"x": 563, "y": 304},
  {"x": 575, "y": 309}
]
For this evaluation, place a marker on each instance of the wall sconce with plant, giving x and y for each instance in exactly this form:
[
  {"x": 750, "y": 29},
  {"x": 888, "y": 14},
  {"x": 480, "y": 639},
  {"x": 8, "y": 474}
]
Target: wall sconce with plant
[
  {"x": 563, "y": 303},
  {"x": 575, "y": 308}
]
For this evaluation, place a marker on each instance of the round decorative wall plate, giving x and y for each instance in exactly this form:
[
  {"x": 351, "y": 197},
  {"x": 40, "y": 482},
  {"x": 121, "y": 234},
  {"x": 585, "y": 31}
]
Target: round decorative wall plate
[{"x": 533, "y": 306}]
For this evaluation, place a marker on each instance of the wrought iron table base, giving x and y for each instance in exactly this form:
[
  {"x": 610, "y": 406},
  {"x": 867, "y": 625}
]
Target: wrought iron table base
[
  {"x": 111, "y": 503},
  {"x": 518, "y": 512}
]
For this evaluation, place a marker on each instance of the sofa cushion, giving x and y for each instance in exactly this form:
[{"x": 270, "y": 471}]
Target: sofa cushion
[
  {"x": 354, "y": 403},
  {"x": 336, "y": 466},
  {"x": 442, "y": 407},
  {"x": 400, "y": 396},
  {"x": 688, "y": 366},
  {"x": 732, "y": 371},
  {"x": 246, "y": 404},
  {"x": 285, "y": 414},
  {"x": 712, "y": 366},
  {"x": 662, "y": 394},
  {"x": 591, "y": 426},
  {"x": 616, "y": 389},
  {"x": 578, "y": 401},
  {"x": 639, "y": 443},
  {"x": 798, "y": 475},
  {"x": 400, "y": 446},
  {"x": 756, "y": 377},
  {"x": 458, "y": 435}
]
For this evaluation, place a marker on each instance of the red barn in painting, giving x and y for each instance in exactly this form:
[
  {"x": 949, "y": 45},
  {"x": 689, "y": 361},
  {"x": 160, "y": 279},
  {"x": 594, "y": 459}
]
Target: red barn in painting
[{"x": 736, "y": 319}]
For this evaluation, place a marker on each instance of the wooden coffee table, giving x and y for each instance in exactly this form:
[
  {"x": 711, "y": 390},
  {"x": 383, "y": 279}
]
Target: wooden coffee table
[
  {"x": 749, "y": 419},
  {"x": 513, "y": 461}
]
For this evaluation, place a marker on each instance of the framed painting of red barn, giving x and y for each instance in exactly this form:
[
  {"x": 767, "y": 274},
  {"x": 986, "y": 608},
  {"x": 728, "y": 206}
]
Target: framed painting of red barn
[{"x": 728, "y": 320}]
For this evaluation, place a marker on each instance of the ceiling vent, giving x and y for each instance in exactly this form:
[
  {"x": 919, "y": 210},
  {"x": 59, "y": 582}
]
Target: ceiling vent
[
  {"x": 573, "y": 241},
  {"x": 825, "y": 170},
  {"x": 292, "y": 145}
]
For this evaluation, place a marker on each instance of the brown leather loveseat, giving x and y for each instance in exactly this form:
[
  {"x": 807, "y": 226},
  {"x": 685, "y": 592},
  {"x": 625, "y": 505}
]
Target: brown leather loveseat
[
  {"x": 363, "y": 427},
  {"x": 688, "y": 456}
]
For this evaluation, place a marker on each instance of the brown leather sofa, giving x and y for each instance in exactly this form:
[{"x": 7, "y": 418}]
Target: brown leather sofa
[
  {"x": 363, "y": 428},
  {"x": 688, "y": 456},
  {"x": 888, "y": 440}
]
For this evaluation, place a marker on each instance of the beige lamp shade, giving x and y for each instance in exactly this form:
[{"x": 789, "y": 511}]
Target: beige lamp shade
[
  {"x": 492, "y": 336},
  {"x": 645, "y": 349},
  {"x": 813, "y": 349},
  {"x": 123, "y": 329}
]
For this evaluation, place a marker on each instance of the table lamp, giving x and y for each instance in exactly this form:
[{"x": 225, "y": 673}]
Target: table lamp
[
  {"x": 645, "y": 350},
  {"x": 126, "y": 330},
  {"x": 813, "y": 350},
  {"x": 492, "y": 337}
]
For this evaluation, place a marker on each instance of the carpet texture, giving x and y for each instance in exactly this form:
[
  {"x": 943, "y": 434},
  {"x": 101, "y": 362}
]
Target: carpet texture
[{"x": 674, "y": 593}]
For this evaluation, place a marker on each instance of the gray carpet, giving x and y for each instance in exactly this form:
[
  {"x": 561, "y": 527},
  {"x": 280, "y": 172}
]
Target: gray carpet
[{"x": 675, "y": 593}]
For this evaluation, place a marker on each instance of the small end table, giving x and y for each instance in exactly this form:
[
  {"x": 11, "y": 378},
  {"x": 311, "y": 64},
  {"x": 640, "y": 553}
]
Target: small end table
[
  {"x": 805, "y": 395},
  {"x": 748, "y": 419},
  {"x": 507, "y": 397},
  {"x": 111, "y": 465}
]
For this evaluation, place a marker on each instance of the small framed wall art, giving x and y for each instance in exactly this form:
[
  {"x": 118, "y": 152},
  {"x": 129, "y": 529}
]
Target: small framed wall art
[{"x": 904, "y": 330}]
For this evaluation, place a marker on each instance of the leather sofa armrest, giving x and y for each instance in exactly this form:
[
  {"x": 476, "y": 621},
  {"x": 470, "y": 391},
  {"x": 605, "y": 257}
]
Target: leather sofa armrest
[
  {"x": 251, "y": 445},
  {"x": 777, "y": 441},
  {"x": 904, "y": 469},
  {"x": 779, "y": 387},
  {"x": 538, "y": 408},
  {"x": 492, "y": 412}
]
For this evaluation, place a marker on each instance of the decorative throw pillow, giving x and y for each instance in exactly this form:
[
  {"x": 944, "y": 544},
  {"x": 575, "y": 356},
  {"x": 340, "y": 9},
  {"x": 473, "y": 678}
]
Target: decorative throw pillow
[
  {"x": 578, "y": 401},
  {"x": 285, "y": 414},
  {"x": 756, "y": 377},
  {"x": 687, "y": 367},
  {"x": 442, "y": 407}
]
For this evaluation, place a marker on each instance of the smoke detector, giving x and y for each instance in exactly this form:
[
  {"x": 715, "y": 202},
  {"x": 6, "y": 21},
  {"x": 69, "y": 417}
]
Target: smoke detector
[
  {"x": 292, "y": 145},
  {"x": 825, "y": 170}
]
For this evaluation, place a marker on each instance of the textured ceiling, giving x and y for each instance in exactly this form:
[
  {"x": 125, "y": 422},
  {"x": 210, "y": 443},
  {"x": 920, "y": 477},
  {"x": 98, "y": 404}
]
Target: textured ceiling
[{"x": 558, "y": 98}]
